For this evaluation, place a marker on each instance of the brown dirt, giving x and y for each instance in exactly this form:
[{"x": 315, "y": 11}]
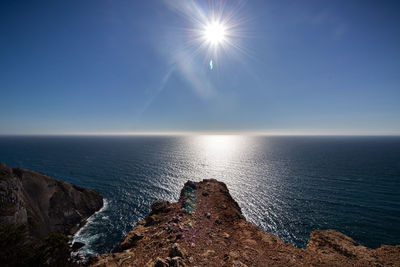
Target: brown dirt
[{"x": 206, "y": 228}]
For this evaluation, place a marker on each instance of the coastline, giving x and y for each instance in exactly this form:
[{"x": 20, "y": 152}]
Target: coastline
[
  {"x": 39, "y": 216},
  {"x": 84, "y": 251},
  {"x": 207, "y": 228}
]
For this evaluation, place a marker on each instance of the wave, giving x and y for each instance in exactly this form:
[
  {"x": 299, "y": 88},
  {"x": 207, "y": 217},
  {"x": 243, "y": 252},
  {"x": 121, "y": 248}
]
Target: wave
[{"x": 87, "y": 234}]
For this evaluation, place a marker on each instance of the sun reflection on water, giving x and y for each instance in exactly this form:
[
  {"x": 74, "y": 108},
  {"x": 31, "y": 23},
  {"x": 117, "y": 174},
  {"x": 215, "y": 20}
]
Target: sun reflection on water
[{"x": 217, "y": 152}]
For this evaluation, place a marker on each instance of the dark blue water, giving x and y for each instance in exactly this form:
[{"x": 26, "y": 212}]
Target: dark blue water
[{"x": 288, "y": 186}]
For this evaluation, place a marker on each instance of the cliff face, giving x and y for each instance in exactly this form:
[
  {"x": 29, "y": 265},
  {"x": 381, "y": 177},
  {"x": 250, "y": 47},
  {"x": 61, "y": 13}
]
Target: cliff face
[
  {"x": 206, "y": 228},
  {"x": 44, "y": 204}
]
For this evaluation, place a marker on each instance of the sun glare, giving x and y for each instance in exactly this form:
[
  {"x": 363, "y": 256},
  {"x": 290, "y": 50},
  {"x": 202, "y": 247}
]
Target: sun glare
[
  {"x": 215, "y": 33},
  {"x": 215, "y": 29}
]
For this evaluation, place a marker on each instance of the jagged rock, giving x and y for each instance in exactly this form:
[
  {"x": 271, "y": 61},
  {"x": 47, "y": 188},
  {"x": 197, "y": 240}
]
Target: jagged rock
[
  {"x": 176, "y": 262},
  {"x": 160, "y": 263},
  {"x": 160, "y": 207},
  {"x": 130, "y": 241},
  {"x": 191, "y": 184},
  {"x": 238, "y": 264},
  {"x": 226, "y": 235},
  {"x": 208, "y": 253},
  {"x": 179, "y": 236},
  {"x": 230, "y": 240},
  {"x": 234, "y": 254},
  {"x": 175, "y": 220},
  {"x": 44, "y": 204},
  {"x": 205, "y": 193},
  {"x": 77, "y": 245},
  {"x": 175, "y": 251},
  {"x": 151, "y": 220}
]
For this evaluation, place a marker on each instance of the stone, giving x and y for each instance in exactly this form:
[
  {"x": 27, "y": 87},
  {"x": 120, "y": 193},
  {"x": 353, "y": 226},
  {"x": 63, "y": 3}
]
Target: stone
[
  {"x": 175, "y": 220},
  {"x": 160, "y": 207},
  {"x": 160, "y": 262},
  {"x": 179, "y": 236},
  {"x": 176, "y": 262},
  {"x": 238, "y": 264},
  {"x": 151, "y": 220},
  {"x": 226, "y": 235},
  {"x": 208, "y": 253},
  {"x": 77, "y": 245},
  {"x": 141, "y": 222},
  {"x": 234, "y": 255},
  {"x": 191, "y": 184},
  {"x": 175, "y": 251},
  {"x": 130, "y": 241},
  {"x": 208, "y": 215},
  {"x": 191, "y": 260}
]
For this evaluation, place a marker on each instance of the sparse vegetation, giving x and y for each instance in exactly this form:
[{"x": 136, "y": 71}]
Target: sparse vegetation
[
  {"x": 4, "y": 174},
  {"x": 17, "y": 249},
  {"x": 6, "y": 207}
]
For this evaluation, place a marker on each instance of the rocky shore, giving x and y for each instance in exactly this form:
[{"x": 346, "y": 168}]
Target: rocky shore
[
  {"x": 206, "y": 228},
  {"x": 44, "y": 204},
  {"x": 37, "y": 214}
]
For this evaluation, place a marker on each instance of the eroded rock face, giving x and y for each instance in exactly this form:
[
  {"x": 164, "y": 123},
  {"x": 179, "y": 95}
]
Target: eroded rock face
[
  {"x": 43, "y": 203},
  {"x": 206, "y": 228}
]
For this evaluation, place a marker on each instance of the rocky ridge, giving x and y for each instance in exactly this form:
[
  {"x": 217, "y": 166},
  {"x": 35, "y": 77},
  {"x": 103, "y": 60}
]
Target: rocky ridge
[
  {"x": 206, "y": 228},
  {"x": 44, "y": 204}
]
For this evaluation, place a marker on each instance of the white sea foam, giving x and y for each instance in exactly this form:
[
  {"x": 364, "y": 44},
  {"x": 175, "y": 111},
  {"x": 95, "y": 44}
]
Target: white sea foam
[{"x": 84, "y": 236}]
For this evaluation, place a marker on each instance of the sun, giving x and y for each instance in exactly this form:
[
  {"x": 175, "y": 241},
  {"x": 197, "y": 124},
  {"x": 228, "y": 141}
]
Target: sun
[{"x": 215, "y": 33}]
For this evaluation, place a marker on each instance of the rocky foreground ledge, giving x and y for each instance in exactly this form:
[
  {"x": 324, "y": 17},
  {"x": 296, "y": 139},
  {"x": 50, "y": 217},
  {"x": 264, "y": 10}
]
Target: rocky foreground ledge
[{"x": 206, "y": 228}]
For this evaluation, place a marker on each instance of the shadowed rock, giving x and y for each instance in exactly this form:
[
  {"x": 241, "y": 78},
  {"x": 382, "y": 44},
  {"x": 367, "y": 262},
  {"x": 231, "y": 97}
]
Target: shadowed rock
[{"x": 44, "y": 204}]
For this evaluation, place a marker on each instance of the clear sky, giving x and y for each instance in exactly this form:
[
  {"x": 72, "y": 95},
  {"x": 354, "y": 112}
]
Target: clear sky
[{"x": 138, "y": 66}]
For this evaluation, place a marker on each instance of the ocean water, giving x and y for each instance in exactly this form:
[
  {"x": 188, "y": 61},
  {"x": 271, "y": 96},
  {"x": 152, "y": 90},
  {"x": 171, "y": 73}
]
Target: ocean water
[{"x": 288, "y": 186}]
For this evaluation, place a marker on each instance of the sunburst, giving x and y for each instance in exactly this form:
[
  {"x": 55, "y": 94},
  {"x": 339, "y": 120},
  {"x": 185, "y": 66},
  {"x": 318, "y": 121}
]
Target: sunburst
[{"x": 215, "y": 33}]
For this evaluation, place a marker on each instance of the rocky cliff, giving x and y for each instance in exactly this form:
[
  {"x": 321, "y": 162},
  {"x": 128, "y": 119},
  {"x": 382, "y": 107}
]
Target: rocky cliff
[
  {"x": 44, "y": 204},
  {"x": 206, "y": 228}
]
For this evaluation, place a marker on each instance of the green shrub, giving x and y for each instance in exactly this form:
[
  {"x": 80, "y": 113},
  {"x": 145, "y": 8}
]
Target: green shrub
[{"x": 15, "y": 250}]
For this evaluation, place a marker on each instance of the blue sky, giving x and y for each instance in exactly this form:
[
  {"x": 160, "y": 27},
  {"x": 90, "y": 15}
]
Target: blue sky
[{"x": 130, "y": 66}]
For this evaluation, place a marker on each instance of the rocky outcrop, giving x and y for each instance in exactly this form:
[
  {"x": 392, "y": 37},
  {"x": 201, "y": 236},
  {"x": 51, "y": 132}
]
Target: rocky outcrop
[
  {"x": 44, "y": 204},
  {"x": 206, "y": 228}
]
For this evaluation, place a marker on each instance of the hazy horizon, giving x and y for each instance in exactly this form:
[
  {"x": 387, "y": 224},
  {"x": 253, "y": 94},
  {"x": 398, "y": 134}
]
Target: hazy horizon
[{"x": 182, "y": 133}]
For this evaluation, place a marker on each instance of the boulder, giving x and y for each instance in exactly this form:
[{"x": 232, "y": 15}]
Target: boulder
[{"x": 176, "y": 251}]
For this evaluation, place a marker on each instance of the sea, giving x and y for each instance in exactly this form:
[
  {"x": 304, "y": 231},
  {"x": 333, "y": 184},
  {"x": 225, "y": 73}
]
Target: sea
[{"x": 286, "y": 185}]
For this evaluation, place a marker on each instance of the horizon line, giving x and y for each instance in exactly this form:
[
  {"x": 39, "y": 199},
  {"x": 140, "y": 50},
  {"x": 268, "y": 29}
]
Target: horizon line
[{"x": 189, "y": 133}]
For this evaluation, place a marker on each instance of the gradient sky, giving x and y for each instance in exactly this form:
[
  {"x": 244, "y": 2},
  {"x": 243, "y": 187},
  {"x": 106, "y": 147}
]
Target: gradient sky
[{"x": 126, "y": 66}]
